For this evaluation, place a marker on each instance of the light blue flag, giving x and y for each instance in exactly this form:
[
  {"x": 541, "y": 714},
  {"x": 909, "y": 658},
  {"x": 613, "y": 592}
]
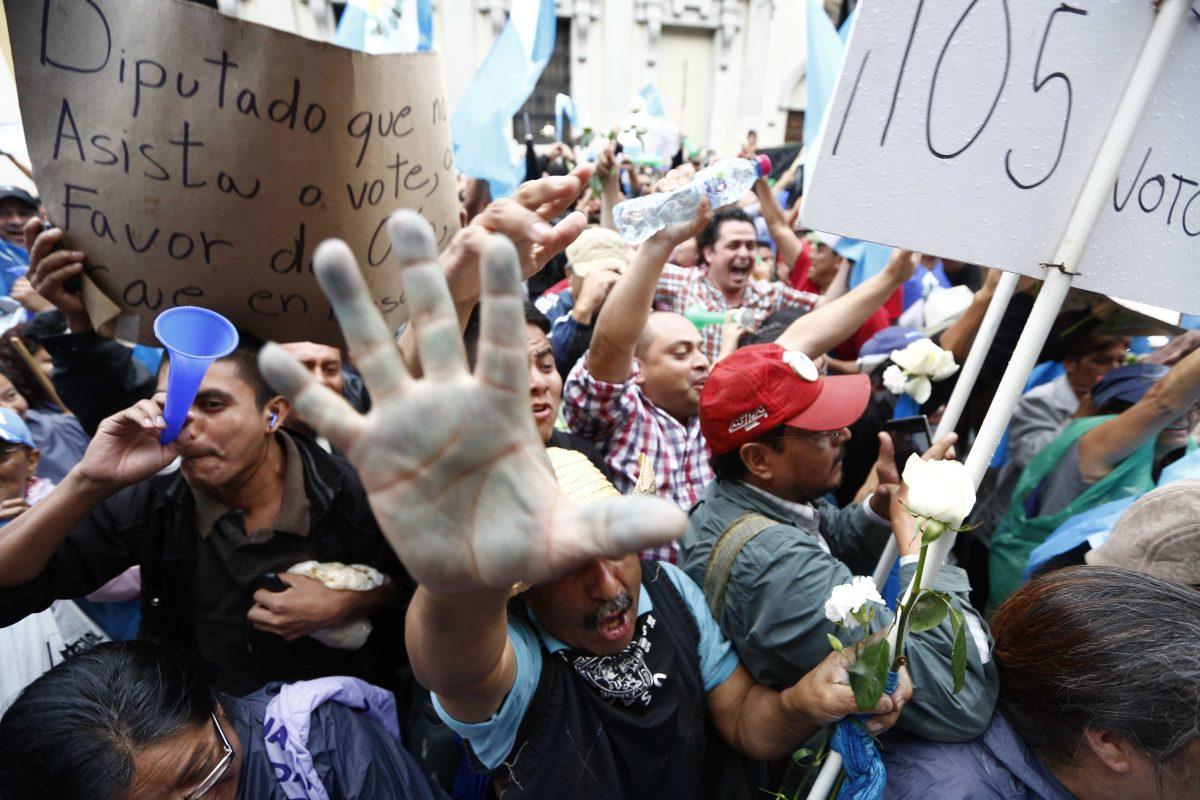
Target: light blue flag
[
  {"x": 847, "y": 26},
  {"x": 654, "y": 104},
  {"x": 479, "y": 126},
  {"x": 825, "y": 53},
  {"x": 352, "y": 28},
  {"x": 564, "y": 106},
  {"x": 869, "y": 258},
  {"x": 382, "y": 26}
]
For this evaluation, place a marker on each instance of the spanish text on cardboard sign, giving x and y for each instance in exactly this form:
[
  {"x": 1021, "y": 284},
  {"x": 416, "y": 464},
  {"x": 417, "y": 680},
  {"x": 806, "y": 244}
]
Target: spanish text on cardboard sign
[
  {"x": 199, "y": 160},
  {"x": 967, "y": 130}
]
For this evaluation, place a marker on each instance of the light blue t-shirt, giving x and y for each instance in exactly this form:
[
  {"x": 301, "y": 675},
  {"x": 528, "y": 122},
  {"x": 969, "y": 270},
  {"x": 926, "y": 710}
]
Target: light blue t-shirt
[{"x": 493, "y": 739}]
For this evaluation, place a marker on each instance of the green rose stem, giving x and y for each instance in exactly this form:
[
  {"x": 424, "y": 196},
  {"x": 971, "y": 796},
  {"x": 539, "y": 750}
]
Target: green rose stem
[{"x": 930, "y": 531}]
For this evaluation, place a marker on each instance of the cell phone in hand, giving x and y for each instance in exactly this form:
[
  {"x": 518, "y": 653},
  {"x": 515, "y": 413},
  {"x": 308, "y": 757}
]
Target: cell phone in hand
[
  {"x": 909, "y": 435},
  {"x": 271, "y": 582}
]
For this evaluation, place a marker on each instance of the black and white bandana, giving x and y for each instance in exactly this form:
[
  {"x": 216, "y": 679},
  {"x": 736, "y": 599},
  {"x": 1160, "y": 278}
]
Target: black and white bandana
[{"x": 624, "y": 676}]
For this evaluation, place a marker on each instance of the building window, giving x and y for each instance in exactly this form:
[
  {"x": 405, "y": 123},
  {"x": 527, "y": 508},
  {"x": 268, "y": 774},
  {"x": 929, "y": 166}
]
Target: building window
[
  {"x": 794, "y": 129},
  {"x": 556, "y": 79}
]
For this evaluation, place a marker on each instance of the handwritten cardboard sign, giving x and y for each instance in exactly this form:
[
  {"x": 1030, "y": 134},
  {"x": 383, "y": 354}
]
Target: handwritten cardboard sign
[
  {"x": 967, "y": 130},
  {"x": 199, "y": 160}
]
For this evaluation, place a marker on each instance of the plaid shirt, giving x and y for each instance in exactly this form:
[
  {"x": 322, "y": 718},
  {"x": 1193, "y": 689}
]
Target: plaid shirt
[
  {"x": 625, "y": 424},
  {"x": 681, "y": 288}
]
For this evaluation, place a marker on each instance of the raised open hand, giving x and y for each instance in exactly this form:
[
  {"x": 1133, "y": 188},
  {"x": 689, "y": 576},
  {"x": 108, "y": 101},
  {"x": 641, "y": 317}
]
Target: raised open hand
[
  {"x": 452, "y": 463},
  {"x": 526, "y": 219}
]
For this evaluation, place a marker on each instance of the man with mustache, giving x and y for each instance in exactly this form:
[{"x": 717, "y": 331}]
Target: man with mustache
[
  {"x": 248, "y": 499},
  {"x": 598, "y": 680},
  {"x": 768, "y": 548},
  {"x": 727, "y": 247}
]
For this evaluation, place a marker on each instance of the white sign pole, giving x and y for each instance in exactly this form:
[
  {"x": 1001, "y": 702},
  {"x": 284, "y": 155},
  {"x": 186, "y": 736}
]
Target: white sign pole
[
  {"x": 1096, "y": 190},
  {"x": 975, "y": 358},
  {"x": 962, "y": 392}
]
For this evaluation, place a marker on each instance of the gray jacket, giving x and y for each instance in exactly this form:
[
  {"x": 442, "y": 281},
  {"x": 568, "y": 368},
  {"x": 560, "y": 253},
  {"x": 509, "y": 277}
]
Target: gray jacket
[
  {"x": 1039, "y": 418},
  {"x": 774, "y": 611},
  {"x": 1041, "y": 415}
]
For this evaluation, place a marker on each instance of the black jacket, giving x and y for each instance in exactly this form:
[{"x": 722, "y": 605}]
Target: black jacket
[{"x": 151, "y": 524}]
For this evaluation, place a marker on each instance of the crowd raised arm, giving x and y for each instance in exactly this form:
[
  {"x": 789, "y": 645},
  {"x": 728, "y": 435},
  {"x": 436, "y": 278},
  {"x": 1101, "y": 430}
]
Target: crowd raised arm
[{"x": 586, "y": 541}]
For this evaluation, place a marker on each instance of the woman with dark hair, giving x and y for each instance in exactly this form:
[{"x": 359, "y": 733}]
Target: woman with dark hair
[
  {"x": 1099, "y": 698},
  {"x": 136, "y": 721},
  {"x": 58, "y": 434}
]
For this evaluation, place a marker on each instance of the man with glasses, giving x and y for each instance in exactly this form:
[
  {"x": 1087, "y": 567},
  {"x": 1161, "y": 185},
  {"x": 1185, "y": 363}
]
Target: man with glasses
[
  {"x": 768, "y": 547},
  {"x": 138, "y": 720}
]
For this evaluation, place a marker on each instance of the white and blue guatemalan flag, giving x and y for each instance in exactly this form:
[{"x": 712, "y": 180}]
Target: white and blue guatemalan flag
[
  {"x": 386, "y": 26},
  {"x": 564, "y": 106},
  {"x": 479, "y": 125}
]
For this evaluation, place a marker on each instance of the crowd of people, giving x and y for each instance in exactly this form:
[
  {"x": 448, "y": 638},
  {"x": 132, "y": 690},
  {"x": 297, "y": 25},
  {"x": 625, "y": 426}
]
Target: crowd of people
[{"x": 361, "y": 572}]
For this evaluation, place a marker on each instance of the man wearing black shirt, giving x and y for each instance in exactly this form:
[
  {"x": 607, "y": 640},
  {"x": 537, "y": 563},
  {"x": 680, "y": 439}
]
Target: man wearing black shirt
[{"x": 247, "y": 499}]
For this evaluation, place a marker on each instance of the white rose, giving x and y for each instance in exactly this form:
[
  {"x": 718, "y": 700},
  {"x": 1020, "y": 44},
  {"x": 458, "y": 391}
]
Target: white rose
[
  {"x": 893, "y": 379},
  {"x": 923, "y": 357},
  {"x": 849, "y": 598},
  {"x": 940, "y": 490},
  {"x": 549, "y": 132},
  {"x": 916, "y": 366},
  {"x": 896, "y": 380},
  {"x": 944, "y": 367},
  {"x": 918, "y": 357}
]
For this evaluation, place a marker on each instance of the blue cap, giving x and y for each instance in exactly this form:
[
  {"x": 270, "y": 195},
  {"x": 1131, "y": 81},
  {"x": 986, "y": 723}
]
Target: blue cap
[
  {"x": 13, "y": 429},
  {"x": 889, "y": 339},
  {"x": 1127, "y": 384}
]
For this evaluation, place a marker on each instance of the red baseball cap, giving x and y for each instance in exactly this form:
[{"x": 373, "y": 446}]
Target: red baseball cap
[{"x": 763, "y": 386}]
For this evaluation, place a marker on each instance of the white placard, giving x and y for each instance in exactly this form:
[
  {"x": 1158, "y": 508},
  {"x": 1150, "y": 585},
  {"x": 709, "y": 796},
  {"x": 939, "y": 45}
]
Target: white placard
[{"x": 966, "y": 129}]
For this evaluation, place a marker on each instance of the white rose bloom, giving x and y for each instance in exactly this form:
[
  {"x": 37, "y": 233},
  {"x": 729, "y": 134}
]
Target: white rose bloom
[
  {"x": 848, "y": 598},
  {"x": 945, "y": 366},
  {"x": 923, "y": 357},
  {"x": 940, "y": 490},
  {"x": 916, "y": 366},
  {"x": 893, "y": 379},
  {"x": 920, "y": 356},
  {"x": 918, "y": 388}
]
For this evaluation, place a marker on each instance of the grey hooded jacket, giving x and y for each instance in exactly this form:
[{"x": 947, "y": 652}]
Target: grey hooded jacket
[{"x": 774, "y": 611}]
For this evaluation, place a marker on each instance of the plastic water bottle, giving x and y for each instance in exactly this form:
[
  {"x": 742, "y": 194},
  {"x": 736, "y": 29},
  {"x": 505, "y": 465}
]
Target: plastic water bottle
[{"x": 723, "y": 183}]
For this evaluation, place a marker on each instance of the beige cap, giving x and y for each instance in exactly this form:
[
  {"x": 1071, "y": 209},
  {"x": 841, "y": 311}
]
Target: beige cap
[
  {"x": 1158, "y": 535},
  {"x": 578, "y": 477},
  {"x": 596, "y": 248}
]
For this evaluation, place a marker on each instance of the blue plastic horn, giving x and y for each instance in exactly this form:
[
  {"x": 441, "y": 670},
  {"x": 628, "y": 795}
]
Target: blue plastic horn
[{"x": 194, "y": 337}]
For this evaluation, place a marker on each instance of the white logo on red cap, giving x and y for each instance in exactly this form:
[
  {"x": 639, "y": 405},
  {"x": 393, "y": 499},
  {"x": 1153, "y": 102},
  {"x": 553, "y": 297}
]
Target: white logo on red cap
[{"x": 748, "y": 421}]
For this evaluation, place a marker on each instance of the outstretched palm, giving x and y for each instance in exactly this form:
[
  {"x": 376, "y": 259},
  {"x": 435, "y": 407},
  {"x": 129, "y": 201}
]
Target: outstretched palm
[{"x": 452, "y": 464}]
